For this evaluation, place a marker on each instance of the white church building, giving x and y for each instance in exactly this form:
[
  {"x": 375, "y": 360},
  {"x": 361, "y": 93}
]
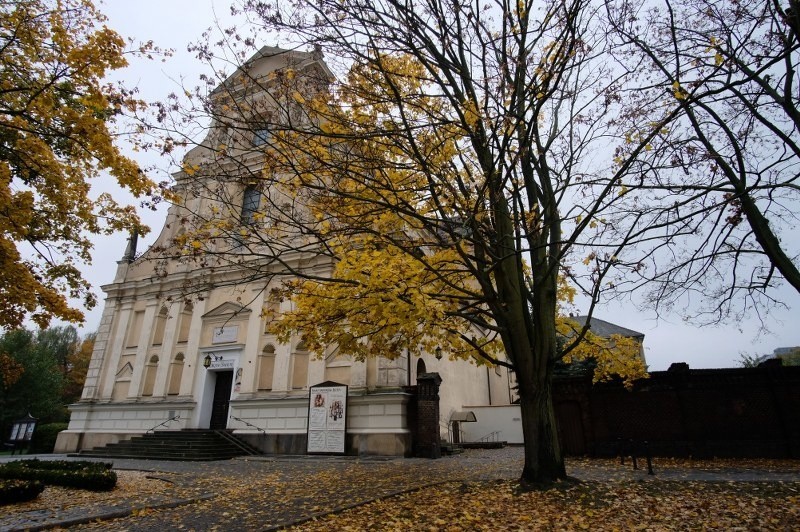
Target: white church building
[{"x": 163, "y": 360}]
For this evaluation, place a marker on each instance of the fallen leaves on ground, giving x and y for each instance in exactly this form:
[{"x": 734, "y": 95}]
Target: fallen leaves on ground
[
  {"x": 473, "y": 491},
  {"x": 131, "y": 485},
  {"x": 648, "y": 505}
]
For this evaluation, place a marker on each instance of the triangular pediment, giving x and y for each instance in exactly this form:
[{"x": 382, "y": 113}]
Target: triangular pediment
[
  {"x": 125, "y": 371},
  {"x": 227, "y": 310},
  {"x": 271, "y": 58}
]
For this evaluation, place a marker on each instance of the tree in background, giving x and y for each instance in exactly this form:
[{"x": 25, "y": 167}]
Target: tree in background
[
  {"x": 57, "y": 132},
  {"x": 38, "y": 389},
  {"x": 76, "y": 368},
  {"x": 42, "y": 372}
]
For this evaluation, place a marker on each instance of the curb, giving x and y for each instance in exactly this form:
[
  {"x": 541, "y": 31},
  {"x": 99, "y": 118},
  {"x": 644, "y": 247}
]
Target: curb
[{"x": 122, "y": 511}]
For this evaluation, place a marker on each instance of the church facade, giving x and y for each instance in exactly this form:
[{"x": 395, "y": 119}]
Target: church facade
[{"x": 163, "y": 360}]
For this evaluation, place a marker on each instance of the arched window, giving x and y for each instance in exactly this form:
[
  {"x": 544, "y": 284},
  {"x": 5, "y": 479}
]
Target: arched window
[
  {"x": 420, "y": 367},
  {"x": 150, "y": 375},
  {"x": 250, "y": 204},
  {"x": 266, "y": 368},
  {"x": 175, "y": 374}
]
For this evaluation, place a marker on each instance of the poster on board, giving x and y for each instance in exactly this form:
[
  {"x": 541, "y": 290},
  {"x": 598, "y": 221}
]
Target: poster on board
[{"x": 327, "y": 418}]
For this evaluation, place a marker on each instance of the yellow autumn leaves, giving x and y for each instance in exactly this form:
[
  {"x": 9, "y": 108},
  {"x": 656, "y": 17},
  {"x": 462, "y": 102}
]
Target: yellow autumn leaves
[{"x": 55, "y": 138}]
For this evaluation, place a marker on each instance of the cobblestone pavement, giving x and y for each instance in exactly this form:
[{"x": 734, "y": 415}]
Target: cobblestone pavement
[{"x": 268, "y": 492}]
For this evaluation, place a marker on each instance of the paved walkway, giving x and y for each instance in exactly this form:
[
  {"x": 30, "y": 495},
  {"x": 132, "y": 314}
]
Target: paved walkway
[{"x": 270, "y": 492}]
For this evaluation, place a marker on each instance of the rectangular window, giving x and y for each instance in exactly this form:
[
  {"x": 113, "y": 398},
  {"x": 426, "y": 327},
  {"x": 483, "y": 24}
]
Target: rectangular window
[
  {"x": 134, "y": 329},
  {"x": 250, "y": 204},
  {"x": 260, "y": 137}
]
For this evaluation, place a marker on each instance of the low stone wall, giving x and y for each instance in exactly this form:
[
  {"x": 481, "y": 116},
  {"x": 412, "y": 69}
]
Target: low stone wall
[{"x": 376, "y": 424}]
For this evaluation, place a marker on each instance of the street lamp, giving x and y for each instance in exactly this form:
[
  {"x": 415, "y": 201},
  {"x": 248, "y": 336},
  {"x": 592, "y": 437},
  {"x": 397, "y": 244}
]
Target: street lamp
[
  {"x": 207, "y": 361},
  {"x": 438, "y": 353}
]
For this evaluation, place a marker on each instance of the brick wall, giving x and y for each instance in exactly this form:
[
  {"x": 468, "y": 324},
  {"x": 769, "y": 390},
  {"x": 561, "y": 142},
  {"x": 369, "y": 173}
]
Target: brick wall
[{"x": 427, "y": 441}]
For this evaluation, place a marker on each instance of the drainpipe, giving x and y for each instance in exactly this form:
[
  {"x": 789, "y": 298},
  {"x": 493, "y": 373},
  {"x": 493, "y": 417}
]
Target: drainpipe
[{"x": 489, "y": 384}]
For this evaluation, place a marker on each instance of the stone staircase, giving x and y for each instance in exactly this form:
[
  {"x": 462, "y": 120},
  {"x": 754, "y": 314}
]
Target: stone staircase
[{"x": 186, "y": 445}]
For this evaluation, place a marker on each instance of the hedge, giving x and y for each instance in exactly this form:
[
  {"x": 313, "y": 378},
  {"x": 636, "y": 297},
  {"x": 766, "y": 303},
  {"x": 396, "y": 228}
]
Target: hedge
[
  {"x": 94, "y": 476},
  {"x": 13, "y": 490}
]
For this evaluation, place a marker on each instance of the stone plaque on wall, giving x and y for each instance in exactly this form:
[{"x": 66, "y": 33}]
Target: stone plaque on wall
[{"x": 224, "y": 335}]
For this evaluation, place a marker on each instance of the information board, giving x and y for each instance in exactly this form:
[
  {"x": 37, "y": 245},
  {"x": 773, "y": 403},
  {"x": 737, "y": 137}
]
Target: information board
[{"x": 327, "y": 418}]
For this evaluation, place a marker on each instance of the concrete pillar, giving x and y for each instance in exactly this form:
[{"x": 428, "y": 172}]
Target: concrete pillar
[{"x": 94, "y": 388}]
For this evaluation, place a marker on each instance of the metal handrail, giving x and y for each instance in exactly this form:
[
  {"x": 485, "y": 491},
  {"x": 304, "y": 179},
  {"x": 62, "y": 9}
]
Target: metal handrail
[
  {"x": 264, "y": 432},
  {"x": 492, "y": 436},
  {"x": 163, "y": 423}
]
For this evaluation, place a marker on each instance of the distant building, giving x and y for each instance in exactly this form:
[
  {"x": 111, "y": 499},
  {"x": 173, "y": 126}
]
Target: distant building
[
  {"x": 790, "y": 356},
  {"x": 606, "y": 329}
]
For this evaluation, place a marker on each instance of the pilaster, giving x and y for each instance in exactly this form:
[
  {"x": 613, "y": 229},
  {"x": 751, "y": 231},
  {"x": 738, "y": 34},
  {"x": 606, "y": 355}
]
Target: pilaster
[
  {"x": 193, "y": 365},
  {"x": 92, "y": 386},
  {"x": 249, "y": 361},
  {"x": 165, "y": 352}
]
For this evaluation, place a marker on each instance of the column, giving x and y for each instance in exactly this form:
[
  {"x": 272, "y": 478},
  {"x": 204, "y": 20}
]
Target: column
[
  {"x": 166, "y": 351},
  {"x": 249, "y": 360},
  {"x": 193, "y": 365}
]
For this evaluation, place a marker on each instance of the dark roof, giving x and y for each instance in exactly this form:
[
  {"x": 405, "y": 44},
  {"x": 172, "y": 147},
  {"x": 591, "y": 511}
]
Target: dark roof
[{"x": 606, "y": 328}]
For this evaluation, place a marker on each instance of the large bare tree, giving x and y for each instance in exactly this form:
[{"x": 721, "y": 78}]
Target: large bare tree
[{"x": 457, "y": 166}]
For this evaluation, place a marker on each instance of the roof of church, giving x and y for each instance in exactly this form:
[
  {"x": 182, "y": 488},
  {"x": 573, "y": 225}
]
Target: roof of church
[{"x": 606, "y": 328}]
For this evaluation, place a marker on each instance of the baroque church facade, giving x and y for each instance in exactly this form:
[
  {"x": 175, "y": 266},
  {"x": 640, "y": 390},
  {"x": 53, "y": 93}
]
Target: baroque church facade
[{"x": 166, "y": 361}]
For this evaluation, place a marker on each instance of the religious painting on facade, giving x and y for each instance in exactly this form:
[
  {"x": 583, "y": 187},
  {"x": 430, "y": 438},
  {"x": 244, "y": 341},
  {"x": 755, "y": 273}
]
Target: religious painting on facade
[{"x": 327, "y": 412}]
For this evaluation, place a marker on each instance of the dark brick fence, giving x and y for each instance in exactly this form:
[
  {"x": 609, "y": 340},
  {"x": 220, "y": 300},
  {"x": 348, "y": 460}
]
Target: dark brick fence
[{"x": 744, "y": 412}]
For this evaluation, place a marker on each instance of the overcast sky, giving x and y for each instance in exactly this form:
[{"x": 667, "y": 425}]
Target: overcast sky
[{"x": 175, "y": 23}]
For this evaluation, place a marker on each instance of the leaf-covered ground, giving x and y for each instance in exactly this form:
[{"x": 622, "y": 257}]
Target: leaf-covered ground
[
  {"x": 593, "y": 505},
  {"x": 473, "y": 491}
]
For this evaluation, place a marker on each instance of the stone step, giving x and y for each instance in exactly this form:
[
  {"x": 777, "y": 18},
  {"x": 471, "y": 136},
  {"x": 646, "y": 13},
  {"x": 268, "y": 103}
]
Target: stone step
[{"x": 199, "y": 445}]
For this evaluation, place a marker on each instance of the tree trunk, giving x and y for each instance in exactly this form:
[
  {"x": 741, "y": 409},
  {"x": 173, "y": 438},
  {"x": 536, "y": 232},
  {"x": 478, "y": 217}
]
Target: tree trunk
[{"x": 544, "y": 462}]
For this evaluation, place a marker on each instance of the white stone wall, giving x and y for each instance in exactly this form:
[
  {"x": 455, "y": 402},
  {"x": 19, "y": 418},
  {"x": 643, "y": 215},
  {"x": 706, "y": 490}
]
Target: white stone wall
[
  {"x": 94, "y": 425},
  {"x": 506, "y": 420}
]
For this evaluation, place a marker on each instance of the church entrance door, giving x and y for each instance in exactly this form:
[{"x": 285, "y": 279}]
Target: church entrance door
[{"x": 222, "y": 399}]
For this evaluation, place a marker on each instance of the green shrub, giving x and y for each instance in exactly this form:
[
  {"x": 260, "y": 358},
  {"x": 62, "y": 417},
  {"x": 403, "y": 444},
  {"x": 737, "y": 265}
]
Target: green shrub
[
  {"x": 95, "y": 476},
  {"x": 13, "y": 490},
  {"x": 67, "y": 465},
  {"x": 44, "y": 438}
]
